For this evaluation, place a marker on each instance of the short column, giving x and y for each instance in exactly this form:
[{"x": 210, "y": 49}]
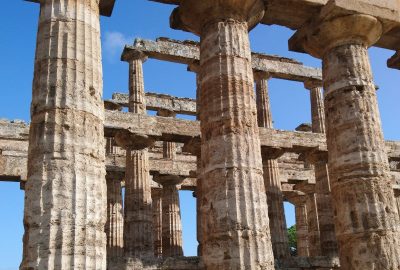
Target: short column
[
  {"x": 299, "y": 201},
  {"x": 115, "y": 220},
  {"x": 172, "y": 244}
]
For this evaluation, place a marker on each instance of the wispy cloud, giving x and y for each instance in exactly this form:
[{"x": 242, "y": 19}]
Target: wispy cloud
[{"x": 113, "y": 45}]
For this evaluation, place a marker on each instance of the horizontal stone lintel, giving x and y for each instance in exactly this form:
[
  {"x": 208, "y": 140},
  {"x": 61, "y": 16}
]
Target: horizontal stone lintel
[
  {"x": 188, "y": 52},
  {"x": 295, "y": 13},
  {"x": 155, "y": 102}
]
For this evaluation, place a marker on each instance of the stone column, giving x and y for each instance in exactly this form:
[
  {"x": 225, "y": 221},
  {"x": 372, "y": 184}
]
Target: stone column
[
  {"x": 233, "y": 208},
  {"x": 138, "y": 223},
  {"x": 272, "y": 182},
  {"x": 314, "y": 241},
  {"x": 172, "y": 244},
  {"x": 115, "y": 220},
  {"x": 366, "y": 222},
  {"x": 138, "y": 226},
  {"x": 65, "y": 196},
  {"x": 299, "y": 202},
  {"x": 156, "y": 195},
  {"x": 322, "y": 186}
]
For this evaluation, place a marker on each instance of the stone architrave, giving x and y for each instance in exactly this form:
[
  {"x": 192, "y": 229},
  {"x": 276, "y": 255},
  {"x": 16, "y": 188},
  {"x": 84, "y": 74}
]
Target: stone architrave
[
  {"x": 327, "y": 236},
  {"x": 65, "y": 196},
  {"x": 272, "y": 182},
  {"x": 233, "y": 208},
  {"x": 366, "y": 218}
]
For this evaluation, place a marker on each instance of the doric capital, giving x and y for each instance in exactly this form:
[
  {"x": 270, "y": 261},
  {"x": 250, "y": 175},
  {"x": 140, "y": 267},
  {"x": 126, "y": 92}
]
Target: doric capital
[
  {"x": 316, "y": 156},
  {"x": 130, "y": 54},
  {"x": 261, "y": 75},
  {"x": 133, "y": 141},
  {"x": 168, "y": 180},
  {"x": 112, "y": 106},
  {"x": 193, "y": 15},
  {"x": 166, "y": 113},
  {"x": 105, "y": 6},
  {"x": 312, "y": 84},
  {"x": 193, "y": 146},
  {"x": 194, "y": 67},
  {"x": 320, "y": 36},
  {"x": 272, "y": 152}
]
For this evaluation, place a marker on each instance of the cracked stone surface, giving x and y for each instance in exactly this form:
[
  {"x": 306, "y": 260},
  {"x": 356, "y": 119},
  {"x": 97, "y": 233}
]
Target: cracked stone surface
[{"x": 65, "y": 196}]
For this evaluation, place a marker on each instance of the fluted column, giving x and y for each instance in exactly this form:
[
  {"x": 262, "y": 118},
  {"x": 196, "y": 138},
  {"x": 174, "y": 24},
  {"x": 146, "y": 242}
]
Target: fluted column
[
  {"x": 65, "y": 196},
  {"x": 156, "y": 195},
  {"x": 302, "y": 230},
  {"x": 276, "y": 213},
  {"x": 314, "y": 240},
  {"x": 138, "y": 223},
  {"x": 233, "y": 208},
  {"x": 322, "y": 186},
  {"x": 366, "y": 219},
  {"x": 397, "y": 196},
  {"x": 172, "y": 225},
  {"x": 115, "y": 220}
]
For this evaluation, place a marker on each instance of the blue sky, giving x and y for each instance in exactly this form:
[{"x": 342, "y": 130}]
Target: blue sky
[{"x": 141, "y": 18}]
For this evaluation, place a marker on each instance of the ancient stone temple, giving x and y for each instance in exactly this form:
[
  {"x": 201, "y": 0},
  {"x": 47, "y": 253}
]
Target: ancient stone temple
[{"x": 80, "y": 151}]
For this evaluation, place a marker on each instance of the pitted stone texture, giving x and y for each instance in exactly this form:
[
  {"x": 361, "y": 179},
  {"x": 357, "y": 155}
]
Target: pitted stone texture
[
  {"x": 233, "y": 206},
  {"x": 65, "y": 200},
  {"x": 115, "y": 221},
  {"x": 367, "y": 221},
  {"x": 138, "y": 227}
]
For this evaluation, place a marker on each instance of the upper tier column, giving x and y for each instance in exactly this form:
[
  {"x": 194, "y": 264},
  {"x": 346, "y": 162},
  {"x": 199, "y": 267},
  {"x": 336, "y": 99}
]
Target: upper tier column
[
  {"x": 233, "y": 208},
  {"x": 138, "y": 226},
  {"x": 65, "y": 196},
  {"x": 322, "y": 184},
  {"x": 366, "y": 219},
  {"x": 272, "y": 182}
]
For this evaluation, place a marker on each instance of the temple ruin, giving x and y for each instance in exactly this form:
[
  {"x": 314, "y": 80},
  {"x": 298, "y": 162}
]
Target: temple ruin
[{"x": 79, "y": 151}]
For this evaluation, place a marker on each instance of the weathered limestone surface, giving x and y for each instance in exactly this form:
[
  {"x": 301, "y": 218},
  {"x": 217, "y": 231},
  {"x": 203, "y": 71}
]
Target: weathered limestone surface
[
  {"x": 156, "y": 102},
  {"x": 233, "y": 204},
  {"x": 187, "y": 52},
  {"x": 65, "y": 199},
  {"x": 179, "y": 130},
  {"x": 172, "y": 244},
  {"x": 366, "y": 220},
  {"x": 272, "y": 179}
]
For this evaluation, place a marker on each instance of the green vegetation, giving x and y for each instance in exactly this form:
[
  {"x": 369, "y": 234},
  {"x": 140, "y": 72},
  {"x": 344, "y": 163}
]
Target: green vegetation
[{"x": 292, "y": 240}]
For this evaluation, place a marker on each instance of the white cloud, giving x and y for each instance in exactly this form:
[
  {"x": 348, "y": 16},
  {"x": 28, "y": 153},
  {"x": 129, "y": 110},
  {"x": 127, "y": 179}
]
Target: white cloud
[{"x": 114, "y": 43}]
